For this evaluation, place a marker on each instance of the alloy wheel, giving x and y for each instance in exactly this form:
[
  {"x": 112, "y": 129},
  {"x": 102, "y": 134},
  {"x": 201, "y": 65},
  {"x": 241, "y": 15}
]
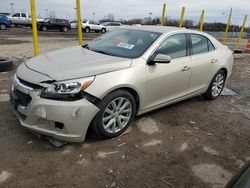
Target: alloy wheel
[
  {"x": 217, "y": 85},
  {"x": 117, "y": 115},
  {"x": 3, "y": 27}
]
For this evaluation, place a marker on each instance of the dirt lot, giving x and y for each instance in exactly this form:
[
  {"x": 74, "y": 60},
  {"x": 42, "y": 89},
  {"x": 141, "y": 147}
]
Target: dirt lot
[{"x": 194, "y": 143}]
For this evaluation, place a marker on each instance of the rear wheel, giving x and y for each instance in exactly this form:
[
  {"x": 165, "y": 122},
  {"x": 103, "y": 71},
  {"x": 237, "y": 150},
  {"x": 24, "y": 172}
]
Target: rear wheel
[
  {"x": 3, "y": 26},
  {"x": 44, "y": 28},
  {"x": 216, "y": 86},
  {"x": 65, "y": 29},
  {"x": 117, "y": 110}
]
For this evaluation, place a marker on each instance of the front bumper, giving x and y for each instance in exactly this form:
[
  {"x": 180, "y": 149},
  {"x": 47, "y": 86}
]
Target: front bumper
[{"x": 63, "y": 120}]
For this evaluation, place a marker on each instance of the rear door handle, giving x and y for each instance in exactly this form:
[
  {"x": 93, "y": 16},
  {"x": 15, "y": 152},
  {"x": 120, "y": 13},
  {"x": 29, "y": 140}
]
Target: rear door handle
[
  {"x": 214, "y": 60},
  {"x": 186, "y": 68}
]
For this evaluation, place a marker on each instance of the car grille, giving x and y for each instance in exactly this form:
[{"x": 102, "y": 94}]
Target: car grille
[{"x": 23, "y": 99}]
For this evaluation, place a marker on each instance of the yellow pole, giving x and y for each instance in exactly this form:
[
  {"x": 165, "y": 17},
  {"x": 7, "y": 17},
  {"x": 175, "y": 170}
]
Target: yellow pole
[
  {"x": 163, "y": 14},
  {"x": 34, "y": 27},
  {"x": 202, "y": 20},
  {"x": 241, "y": 32},
  {"x": 79, "y": 22},
  {"x": 228, "y": 24},
  {"x": 182, "y": 16}
]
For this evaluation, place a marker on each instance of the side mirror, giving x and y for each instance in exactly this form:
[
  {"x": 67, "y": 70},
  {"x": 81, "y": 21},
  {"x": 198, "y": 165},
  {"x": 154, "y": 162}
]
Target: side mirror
[{"x": 159, "y": 58}]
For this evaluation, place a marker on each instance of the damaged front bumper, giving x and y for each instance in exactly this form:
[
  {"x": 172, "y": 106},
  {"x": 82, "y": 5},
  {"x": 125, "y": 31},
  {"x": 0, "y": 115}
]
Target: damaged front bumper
[{"x": 63, "y": 120}]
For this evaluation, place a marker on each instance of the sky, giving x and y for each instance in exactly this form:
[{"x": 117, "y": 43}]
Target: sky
[{"x": 128, "y": 9}]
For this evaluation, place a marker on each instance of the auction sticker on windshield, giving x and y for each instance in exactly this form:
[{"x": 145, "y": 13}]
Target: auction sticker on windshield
[{"x": 125, "y": 45}]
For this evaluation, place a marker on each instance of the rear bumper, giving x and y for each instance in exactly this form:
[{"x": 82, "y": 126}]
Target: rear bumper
[{"x": 67, "y": 121}]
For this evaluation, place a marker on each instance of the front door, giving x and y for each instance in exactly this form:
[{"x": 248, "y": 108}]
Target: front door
[{"x": 169, "y": 81}]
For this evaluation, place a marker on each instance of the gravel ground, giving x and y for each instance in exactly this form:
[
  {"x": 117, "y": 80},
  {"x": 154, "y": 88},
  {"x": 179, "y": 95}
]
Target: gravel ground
[{"x": 194, "y": 143}]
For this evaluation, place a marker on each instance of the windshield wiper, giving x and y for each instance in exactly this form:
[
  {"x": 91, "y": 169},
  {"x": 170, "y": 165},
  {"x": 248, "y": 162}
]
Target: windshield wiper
[
  {"x": 85, "y": 46},
  {"x": 100, "y": 51}
]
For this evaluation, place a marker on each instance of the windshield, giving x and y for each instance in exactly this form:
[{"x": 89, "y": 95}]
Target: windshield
[
  {"x": 126, "y": 43},
  {"x": 46, "y": 19}
]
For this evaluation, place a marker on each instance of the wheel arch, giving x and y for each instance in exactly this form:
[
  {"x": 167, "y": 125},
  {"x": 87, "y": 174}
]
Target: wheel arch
[
  {"x": 131, "y": 90},
  {"x": 225, "y": 70}
]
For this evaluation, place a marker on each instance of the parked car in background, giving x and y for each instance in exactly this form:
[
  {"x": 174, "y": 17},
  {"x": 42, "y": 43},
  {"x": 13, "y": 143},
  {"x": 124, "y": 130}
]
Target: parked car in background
[
  {"x": 137, "y": 25},
  {"x": 4, "y": 22},
  {"x": 89, "y": 25},
  {"x": 73, "y": 24},
  {"x": 54, "y": 24},
  {"x": 106, "y": 83},
  {"x": 111, "y": 26},
  {"x": 22, "y": 19}
]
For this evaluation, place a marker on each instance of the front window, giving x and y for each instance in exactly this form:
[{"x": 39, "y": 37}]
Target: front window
[
  {"x": 16, "y": 15},
  {"x": 107, "y": 24},
  {"x": 174, "y": 46},
  {"x": 124, "y": 43}
]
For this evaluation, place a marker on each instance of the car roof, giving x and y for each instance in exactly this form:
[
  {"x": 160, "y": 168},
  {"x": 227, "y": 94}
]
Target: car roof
[{"x": 154, "y": 28}]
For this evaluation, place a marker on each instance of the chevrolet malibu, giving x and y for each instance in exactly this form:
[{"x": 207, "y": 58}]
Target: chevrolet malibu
[{"x": 103, "y": 85}]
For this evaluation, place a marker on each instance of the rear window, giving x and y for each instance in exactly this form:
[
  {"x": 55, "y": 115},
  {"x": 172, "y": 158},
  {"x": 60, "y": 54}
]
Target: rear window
[
  {"x": 199, "y": 44},
  {"x": 60, "y": 21},
  {"x": 210, "y": 45}
]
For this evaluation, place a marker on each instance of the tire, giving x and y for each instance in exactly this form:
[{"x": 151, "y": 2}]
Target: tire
[
  {"x": 65, "y": 29},
  {"x": 87, "y": 29},
  {"x": 3, "y": 27},
  {"x": 217, "y": 84},
  {"x": 115, "y": 121},
  {"x": 44, "y": 28},
  {"x": 6, "y": 65},
  {"x": 103, "y": 30}
]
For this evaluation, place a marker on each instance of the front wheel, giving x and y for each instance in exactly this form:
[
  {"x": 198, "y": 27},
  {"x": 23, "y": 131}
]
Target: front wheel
[
  {"x": 3, "y": 27},
  {"x": 44, "y": 28},
  {"x": 117, "y": 110},
  {"x": 216, "y": 86},
  {"x": 87, "y": 29},
  {"x": 103, "y": 30}
]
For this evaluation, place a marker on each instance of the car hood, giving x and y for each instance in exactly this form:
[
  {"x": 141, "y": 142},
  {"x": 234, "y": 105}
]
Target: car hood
[{"x": 75, "y": 62}]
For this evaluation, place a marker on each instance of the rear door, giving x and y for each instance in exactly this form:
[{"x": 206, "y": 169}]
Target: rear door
[
  {"x": 203, "y": 62},
  {"x": 24, "y": 18},
  {"x": 52, "y": 24}
]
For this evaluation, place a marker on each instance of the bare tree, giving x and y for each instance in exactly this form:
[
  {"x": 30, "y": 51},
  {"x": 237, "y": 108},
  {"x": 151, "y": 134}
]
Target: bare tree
[
  {"x": 110, "y": 17},
  {"x": 52, "y": 14}
]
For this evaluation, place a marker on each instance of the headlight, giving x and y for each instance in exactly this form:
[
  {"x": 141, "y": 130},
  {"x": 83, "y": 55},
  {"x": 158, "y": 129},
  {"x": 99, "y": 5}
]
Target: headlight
[{"x": 67, "y": 90}]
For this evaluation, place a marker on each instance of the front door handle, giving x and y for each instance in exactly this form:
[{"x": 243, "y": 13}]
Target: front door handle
[
  {"x": 186, "y": 68},
  {"x": 214, "y": 60}
]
